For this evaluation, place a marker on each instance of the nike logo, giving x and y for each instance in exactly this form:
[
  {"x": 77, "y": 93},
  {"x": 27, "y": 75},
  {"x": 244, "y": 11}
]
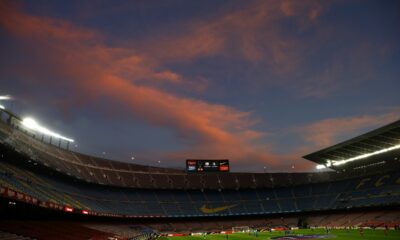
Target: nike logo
[{"x": 205, "y": 209}]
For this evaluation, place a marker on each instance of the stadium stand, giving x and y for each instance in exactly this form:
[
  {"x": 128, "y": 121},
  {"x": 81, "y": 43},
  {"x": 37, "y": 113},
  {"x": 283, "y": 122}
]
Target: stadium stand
[
  {"x": 123, "y": 231},
  {"x": 11, "y": 236},
  {"x": 50, "y": 177},
  {"x": 349, "y": 193},
  {"x": 106, "y": 172},
  {"x": 332, "y": 220},
  {"x": 52, "y": 230}
]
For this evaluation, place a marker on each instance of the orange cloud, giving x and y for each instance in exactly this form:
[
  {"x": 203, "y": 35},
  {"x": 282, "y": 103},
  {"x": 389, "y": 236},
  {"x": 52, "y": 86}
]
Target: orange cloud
[
  {"x": 34, "y": 27},
  {"x": 133, "y": 77},
  {"x": 91, "y": 71},
  {"x": 252, "y": 32},
  {"x": 326, "y": 132}
]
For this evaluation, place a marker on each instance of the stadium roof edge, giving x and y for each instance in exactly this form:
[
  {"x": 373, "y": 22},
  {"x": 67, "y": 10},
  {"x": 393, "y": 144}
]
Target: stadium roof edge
[{"x": 351, "y": 148}]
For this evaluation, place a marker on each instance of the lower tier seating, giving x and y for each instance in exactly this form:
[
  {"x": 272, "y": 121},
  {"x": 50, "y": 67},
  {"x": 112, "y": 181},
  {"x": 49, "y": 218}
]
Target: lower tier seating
[{"x": 45, "y": 230}]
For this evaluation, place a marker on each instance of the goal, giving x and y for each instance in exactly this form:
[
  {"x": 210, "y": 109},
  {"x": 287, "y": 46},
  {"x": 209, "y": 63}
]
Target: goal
[{"x": 241, "y": 229}]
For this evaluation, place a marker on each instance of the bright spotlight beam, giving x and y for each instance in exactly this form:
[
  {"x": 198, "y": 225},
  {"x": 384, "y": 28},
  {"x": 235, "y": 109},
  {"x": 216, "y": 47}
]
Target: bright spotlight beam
[
  {"x": 2, "y": 107},
  {"x": 33, "y": 125},
  {"x": 341, "y": 162},
  {"x": 344, "y": 161}
]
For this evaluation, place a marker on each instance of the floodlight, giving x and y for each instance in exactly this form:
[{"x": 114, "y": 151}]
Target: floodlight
[
  {"x": 341, "y": 162},
  {"x": 5, "y": 97},
  {"x": 30, "y": 123},
  {"x": 362, "y": 156},
  {"x": 320, "y": 166}
]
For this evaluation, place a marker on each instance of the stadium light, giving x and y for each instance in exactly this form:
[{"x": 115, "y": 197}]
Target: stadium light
[
  {"x": 68, "y": 209},
  {"x": 344, "y": 161},
  {"x": 5, "y": 97},
  {"x": 341, "y": 162},
  {"x": 320, "y": 166},
  {"x": 33, "y": 125}
]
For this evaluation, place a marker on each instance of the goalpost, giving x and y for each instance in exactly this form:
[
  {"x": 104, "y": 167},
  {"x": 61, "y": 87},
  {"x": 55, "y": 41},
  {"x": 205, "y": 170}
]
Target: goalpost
[{"x": 240, "y": 229}]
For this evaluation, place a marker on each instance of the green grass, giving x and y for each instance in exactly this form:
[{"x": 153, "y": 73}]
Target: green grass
[{"x": 338, "y": 234}]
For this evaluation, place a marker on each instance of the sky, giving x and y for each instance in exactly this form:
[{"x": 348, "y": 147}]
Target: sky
[{"x": 261, "y": 83}]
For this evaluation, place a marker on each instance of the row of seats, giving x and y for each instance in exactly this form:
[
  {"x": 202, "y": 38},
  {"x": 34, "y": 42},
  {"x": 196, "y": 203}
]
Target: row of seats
[
  {"x": 221, "y": 224},
  {"x": 99, "y": 231},
  {"x": 44, "y": 230},
  {"x": 12, "y": 236},
  {"x": 333, "y": 220},
  {"x": 357, "y": 219},
  {"x": 342, "y": 194},
  {"x": 124, "y": 231}
]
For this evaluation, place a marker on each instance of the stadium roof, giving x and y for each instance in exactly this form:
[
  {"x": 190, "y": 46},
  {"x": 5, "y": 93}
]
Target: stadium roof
[{"x": 358, "y": 149}]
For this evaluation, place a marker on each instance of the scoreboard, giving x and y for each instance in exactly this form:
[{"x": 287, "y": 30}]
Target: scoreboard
[{"x": 196, "y": 165}]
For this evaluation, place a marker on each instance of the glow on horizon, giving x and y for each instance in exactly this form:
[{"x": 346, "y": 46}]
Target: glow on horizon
[{"x": 30, "y": 123}]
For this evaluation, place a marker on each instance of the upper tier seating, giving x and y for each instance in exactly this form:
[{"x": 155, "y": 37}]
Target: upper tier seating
[
  {"x": 107, "y": 172},
  {"x": 358, "y": 192}
]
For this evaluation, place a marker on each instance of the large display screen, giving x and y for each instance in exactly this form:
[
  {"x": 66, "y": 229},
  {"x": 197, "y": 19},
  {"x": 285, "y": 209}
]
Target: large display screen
[{"x": 196, "y": 165}]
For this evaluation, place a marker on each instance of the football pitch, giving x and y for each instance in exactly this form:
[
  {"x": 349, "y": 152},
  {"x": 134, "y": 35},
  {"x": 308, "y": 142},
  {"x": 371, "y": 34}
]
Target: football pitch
[{"x": 301, "y": 234}]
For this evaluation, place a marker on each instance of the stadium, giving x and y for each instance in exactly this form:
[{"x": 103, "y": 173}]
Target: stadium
[
  {"x": 94, "y": 198},
  {"x": 199, "y": 120}
]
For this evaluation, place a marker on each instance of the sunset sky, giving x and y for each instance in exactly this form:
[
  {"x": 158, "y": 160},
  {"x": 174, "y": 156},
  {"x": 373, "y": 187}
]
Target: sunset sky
[{"x": 261, "y": 83}]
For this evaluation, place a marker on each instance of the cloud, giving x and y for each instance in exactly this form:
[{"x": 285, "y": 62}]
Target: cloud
[
  {"x": 26, "y": 25},
  {"x": 140, "y": 83},
  {"x": 89, "y": 69},
  {"x": 327, "y": 132},
  {"x": 253, "y": 32},
  {"x": 281, "y": 37}
]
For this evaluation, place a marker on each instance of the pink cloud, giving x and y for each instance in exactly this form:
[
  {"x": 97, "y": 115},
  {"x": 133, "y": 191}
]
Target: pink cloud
[
  {"x": 134, "y": 77},
  {"x": 94, "y": 71},
  {"x": 326, "y": 132},
  {"x": 252, "y": 32}
]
